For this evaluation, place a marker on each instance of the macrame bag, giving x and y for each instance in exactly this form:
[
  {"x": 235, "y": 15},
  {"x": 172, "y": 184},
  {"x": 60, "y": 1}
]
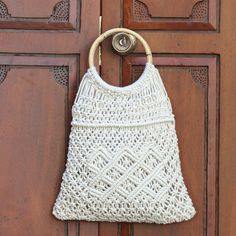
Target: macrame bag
[{"x": 123, "y": 160}]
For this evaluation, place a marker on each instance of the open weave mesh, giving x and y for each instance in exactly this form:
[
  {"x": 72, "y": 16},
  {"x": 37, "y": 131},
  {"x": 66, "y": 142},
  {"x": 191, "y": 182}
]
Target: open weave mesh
[{"x": 123, "y": 158}]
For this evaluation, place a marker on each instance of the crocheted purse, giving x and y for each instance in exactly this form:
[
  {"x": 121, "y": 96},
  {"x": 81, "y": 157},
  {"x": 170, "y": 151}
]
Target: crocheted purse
[{"x": 123, "y": 157}]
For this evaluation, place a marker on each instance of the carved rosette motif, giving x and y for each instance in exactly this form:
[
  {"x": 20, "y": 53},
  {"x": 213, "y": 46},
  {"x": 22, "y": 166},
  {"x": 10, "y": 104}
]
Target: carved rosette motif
[
  {"x": 3, "y": 11},
  {"x": 140, "y": 11},
  {"x": 61, "y": 74},
  {"x": 199, "y": 12},
  {"x": 61, "y": 12},
  {"x": 200, "y": 75},
  {"x": 3, "y": 72}
]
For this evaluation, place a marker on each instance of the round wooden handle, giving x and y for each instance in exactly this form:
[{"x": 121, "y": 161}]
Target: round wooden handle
[{"x": 111, "y": 32}]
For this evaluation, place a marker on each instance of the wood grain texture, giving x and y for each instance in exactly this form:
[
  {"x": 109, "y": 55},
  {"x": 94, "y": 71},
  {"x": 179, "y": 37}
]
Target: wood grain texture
[
  {"x": 88, "y": 228},
  {"x": 169, "y": 8},
  {"x": 89, "y": 31},
  {"x": 39, "y": 15},
  {"x": 33, "y": 143},
  {"x": 227, "y": 148},
  {"x": 73, "y": 228},
  {"x": 110, "y": 65},
  {"x": 182, "y": 46},
  {"x": 111, "y": 62},
  {"x": 192, "y": 86},
  {"x": 23, "y": 8},
  {"x": 37, "y": 219},
  {"x": 172, "y": 38},
  {"x": 108, "y": 229},
  {"x": 161, "y": 15}
]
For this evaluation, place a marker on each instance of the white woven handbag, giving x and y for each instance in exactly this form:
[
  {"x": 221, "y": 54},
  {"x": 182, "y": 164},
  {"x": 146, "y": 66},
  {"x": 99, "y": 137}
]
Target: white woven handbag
[{"x": 123, "y": 157}]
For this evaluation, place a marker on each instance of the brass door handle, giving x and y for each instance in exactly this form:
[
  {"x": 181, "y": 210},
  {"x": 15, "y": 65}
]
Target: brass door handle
[
  {"x": 127, "y": 42},
  {"x": 123, "y": 43}
]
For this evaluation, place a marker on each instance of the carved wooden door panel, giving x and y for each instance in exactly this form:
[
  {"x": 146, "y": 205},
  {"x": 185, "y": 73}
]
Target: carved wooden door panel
[
  {"x": 43, "y": 53},
  {"x": 193, "y": 44}
]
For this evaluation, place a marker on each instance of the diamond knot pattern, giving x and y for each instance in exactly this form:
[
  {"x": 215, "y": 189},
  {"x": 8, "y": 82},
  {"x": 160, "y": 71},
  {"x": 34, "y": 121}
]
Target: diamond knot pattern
[
  {"x": 123, "y": 159},
  {"x": 132, "y": 175}
]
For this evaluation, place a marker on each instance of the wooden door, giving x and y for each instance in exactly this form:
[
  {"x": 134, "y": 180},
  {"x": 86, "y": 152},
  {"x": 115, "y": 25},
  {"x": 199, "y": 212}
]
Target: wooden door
[
  {"x": 193, "y": 44},
  {"x": 43, "y": 54}
]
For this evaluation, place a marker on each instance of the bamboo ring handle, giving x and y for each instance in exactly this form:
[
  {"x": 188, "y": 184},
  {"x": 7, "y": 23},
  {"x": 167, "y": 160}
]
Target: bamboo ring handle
[{"x": 111, "y": 32}]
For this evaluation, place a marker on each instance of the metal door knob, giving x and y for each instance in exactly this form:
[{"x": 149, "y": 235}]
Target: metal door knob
[{"x": 123, "y": 43}]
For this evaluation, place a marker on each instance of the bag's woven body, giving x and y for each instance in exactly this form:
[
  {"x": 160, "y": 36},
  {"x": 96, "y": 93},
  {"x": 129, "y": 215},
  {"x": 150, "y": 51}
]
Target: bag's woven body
[{"x": 123, "y": 158}]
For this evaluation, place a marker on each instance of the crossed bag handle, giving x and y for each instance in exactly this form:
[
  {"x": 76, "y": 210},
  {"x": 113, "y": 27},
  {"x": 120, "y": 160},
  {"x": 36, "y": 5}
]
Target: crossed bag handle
[{"x": 110, "y": 32}]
